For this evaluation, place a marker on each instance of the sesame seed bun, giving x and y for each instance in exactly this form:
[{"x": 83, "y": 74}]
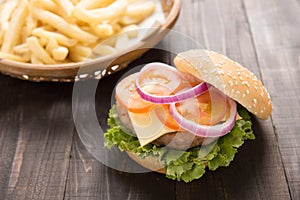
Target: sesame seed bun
[{"x": 229, "y": 77}]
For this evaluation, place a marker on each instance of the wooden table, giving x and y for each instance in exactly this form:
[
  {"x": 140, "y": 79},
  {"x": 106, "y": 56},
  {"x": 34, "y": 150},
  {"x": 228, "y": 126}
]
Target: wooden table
[{"x": 42, "y": 157}]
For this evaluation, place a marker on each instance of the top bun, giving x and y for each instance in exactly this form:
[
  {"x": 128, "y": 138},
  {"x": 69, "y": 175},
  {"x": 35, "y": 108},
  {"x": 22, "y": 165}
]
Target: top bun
[{"x": 229, "y": 77}]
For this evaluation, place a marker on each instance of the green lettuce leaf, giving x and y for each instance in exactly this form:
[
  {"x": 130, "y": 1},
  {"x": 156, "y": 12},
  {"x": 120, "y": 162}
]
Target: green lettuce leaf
[{"x": 184, "y": 165}]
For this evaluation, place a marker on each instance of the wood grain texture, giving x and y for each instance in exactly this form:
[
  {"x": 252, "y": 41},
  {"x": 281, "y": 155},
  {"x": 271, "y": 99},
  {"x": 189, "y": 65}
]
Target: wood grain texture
[
  {"x": 89, "y": 179},
  {"x": 275, "y": 26},
  {"x": 44, "y": 137},
  {"x": 42, "y": 157},
  {"x": 223, "y": 26},
  {"x": 9, "y": 126}
]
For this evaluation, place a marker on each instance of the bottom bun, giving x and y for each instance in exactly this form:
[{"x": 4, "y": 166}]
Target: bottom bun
[{"x": 149, "y": 162}]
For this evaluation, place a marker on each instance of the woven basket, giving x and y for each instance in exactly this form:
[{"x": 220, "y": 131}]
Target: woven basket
[{"x": 96, "y": 68}]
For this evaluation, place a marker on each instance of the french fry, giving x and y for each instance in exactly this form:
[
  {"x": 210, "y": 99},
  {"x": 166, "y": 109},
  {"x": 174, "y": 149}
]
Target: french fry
[
  {"x": 1, "y": 36},
  {"x": 51, "y": 45},
  {"x": 80, "y": 50},
  {"x": 21, "y": 49},
  {"x": 75, "y": 2},
  {"x": 31, "y": 24},
  {"x": 66, "y": 5},
  {"x": 103, "y": 50},
  {"x": 10, "y": 56},
  {"x": 103, "y": 30},
  {"x": 132, "y": 30},
  {"x": 13, "y": 33},
  {"x": 60, "y": 53},
  {"x": 38, "y": 51},
  {"x": 109, "y": 13},
  {"x": 60, "y": 38},
  {"x": 48, "y": 5},
  {"x": 35, "y": 60},
  {"x": 92, "y": 4},
  {"x": 26, "y": 56},
  {"x": 122, "y": 41},
  {"x": 136, "y": 13},
  {"x": 60, "y": 31},
  {"x": 76, "y": 58},
  {"x": 6, "y": 12},
  {"x": 52, "y": 6},
  {"x": 63, "y": 26}
]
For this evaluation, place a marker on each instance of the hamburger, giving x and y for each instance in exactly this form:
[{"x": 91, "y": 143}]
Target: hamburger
[{"x": 185, "y": 120}]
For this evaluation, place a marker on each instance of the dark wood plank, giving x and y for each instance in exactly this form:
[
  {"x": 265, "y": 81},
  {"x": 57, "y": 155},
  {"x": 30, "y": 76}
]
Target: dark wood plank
[
  {"x": 90, "y": 179},
  {"x": 36, "y": 124},
  {"x": 44, "y": 129},
  {"x": 9, "y": 126},
  {"x": 257, "y": 171},
  {"x": 275, "y": 27}
]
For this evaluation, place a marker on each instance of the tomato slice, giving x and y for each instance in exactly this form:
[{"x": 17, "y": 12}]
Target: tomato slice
[
  {"x": 190, "y": 80},
  {"x": 206, "y": 109},
  {"x": 163, "y": 114},
  {"x": 127, "y": 96},
  {"x": 187, "y": 81}
]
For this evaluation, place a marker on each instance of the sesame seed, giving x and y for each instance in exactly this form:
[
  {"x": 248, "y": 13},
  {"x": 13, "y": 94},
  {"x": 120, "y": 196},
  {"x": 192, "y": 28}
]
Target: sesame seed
[
  {"x": 245, "y": 83},
  {"x": 241, "y": 78},
  {"x": 255, "y": 87},
  {"x": 243, "y": 96},
  {"x": 238, "y": 92},
  {"x": 234, "y": 77},
  {"x": 236, "y": 82},
  {"x": 254, "y": 101},
  {"x": 223, "y": 62},
  {"x": 232, "y": 91},
  {"x": 247, "y": 91},
  {"x": 261, "y": 111}
]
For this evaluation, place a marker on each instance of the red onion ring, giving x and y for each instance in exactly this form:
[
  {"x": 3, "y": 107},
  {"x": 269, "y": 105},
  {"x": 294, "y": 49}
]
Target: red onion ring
[
  {"x": 217, "y": 130},
  {"x": 182, "y": 95}
]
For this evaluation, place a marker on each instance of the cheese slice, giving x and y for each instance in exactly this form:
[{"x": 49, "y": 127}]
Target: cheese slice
[{"x": 148, "y": 126}]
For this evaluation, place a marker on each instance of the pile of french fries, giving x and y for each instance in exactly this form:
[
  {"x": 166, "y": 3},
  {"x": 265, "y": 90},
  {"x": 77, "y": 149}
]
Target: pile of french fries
[{"x": 63, "y": 31}]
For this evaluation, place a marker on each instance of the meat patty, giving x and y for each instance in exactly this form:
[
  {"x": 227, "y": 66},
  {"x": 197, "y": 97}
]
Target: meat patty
[
  {"x": 180, "y": 140},
  {"x": 124, "y": 117}
]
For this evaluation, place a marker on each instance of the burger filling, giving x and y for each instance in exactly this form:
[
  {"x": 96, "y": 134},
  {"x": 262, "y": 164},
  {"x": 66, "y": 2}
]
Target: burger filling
[{"x": 186, "y": 124}]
